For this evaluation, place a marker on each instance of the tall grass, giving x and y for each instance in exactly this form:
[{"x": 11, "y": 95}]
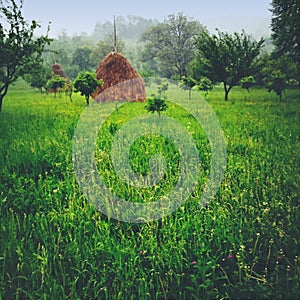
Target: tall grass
[{"x": 243, "y": 244}]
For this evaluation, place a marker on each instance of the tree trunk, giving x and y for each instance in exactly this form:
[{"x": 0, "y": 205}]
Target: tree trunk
[
  {"x": 87, "y": 98},
  {"x": 227, "y": 90},
  {"x": 1, "y": 100},
  {"x": 3, "y": 92}
]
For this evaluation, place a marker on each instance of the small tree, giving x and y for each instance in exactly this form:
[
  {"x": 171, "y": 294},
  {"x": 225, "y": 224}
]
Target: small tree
[
  {"x": 162, "y": 88},
  {"x": 187, "y": 83},
  {"x": 205, "y": 85},
  {"x": 277, "y": 83},
  {"x": 247, "y": 82},
  {"x": 56, "y": 83},
  {"x": 156, "y": 104},
  {"x": 86, "y": 83},
  {"x": 38, "y": 78}
]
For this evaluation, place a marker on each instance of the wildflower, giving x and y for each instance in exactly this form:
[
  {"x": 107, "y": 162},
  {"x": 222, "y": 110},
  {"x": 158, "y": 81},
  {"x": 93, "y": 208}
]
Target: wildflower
[
  {"x": 229, "y": 256},
  {"x": 194, "y": 262},
  {"x": 141, "y": 252}
]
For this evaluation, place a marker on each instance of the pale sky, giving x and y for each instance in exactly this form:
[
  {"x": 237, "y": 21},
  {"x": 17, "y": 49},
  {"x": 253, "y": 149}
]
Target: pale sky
[{"x": 75, "y": 16}]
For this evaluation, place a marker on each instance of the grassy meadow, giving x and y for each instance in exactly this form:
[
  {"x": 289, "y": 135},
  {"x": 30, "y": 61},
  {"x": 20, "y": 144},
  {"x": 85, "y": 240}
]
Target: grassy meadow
[{"x": 243, "y": 245}]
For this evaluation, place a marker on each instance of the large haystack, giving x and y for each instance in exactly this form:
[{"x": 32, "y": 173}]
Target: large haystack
[{"x": 121, "y": 81}]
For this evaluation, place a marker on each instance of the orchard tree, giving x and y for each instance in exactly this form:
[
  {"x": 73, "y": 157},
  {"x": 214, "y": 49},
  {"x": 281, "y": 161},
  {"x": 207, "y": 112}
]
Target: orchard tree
[
  {"x": 156, "y": 104},
  {"x": 247, "y": 82},
  {"x": 276, "y": 74},
  {"x": 205, "y": 85},
  {"x": 56, "y": 83},
  {"x": 227, "y": 58},
  {"x": 38, "y": 78},
  {"x": 162, "y": 89},
  {"x": 86, "y": 83},
  {"x": 20, "y": 50},
  {"x": 187, "y": 83},
  {"x": 277, "y": 83},
  {"x": 172, "y": 43}
]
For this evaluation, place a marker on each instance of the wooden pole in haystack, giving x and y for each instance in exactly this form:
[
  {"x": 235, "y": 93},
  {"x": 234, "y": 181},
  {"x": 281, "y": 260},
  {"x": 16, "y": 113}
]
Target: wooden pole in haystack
[
  {"x": 115, "y": 36},
  {"x": 121, "y": 82}
]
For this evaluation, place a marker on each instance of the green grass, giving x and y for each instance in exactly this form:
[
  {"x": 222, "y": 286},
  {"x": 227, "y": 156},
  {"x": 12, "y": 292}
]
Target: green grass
[{"x": 243, "y": 244}]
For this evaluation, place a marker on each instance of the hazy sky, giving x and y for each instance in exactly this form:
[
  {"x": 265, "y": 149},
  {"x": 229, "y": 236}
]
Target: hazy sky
[{"x": 77, "y": 16}]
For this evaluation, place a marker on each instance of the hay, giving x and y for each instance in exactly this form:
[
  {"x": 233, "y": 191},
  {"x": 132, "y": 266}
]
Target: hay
[
  {"x": 121, "y": 81},
  {"x": 57, "y": 70}
]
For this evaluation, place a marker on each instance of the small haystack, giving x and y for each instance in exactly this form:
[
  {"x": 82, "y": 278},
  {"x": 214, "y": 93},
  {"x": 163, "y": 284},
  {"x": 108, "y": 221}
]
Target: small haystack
[
  {"x": 57, "y": 70},
  {"x": 121, "y": 81}
]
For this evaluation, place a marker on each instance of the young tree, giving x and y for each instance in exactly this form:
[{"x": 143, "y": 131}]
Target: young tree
[
  {"x": 247, "y": 82},
  {"x": 86, "y": 83},
  {"x": 20, "y": 49},
  {"x": 56, "y": 83},
  {"x": 187, "y": 83},
  {"x": 227, "y": 58},
  {"x": 172, "y": 43},
  {"x": 155, "y": 104},
  {"x": 277, "y": 83},
  {"x": 205, "y": 85},
  {"x": 162, "y": 89},
  {"x": 39, "y": 77}
]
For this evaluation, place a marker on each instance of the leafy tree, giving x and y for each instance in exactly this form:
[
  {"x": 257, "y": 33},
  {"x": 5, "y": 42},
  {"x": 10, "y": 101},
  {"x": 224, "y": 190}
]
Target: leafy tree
[
  {"x": 227, "y": 58},
  {"x": 56, "y": 83},
  {"x": 172, "y": 44},
  {"x": 277, "y": 83},
  {"x": 162, "y": 88},
  {"x": 38, "y": 78},
  {"x": 276, "y": 73},
  {"x": 285, "y": 26},
  {"x": 247, "y": 82},
  {"x": 155, "y": 104},
  {"x": 86, "y": 83},
  {"x": 187, "y": 83},
  {"x": 82, "y": 59},
  {"x": 20, "y": 49},
  {"x": 205, "y": 85}
]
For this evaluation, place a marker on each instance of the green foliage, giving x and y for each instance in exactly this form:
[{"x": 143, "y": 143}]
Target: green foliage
[
  {"x": 286, "y": 27},
  {"x": 172, "y": 44},
  {"x": 129, "y": 28},
  {"x": 82, "y": 59},
  {"x": 155, "y": 104},
  {"x": 205, "y": 85},
  {"x": 247, "y": 82},
  {"x": 38, "y": 78},
  {"x": 20, "y": 49},
  {"x": 104, "y": 47},
  {"x": 277, "y": 83},
  {"x": 227, "y": 58},
  {"x": 86, "y": 83},
  {"x": 243, "y": 245},
  {"x": 56, "y": 83},
  {"x": 162, "y": 89},
  {"x": 187, "y": 83}
]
